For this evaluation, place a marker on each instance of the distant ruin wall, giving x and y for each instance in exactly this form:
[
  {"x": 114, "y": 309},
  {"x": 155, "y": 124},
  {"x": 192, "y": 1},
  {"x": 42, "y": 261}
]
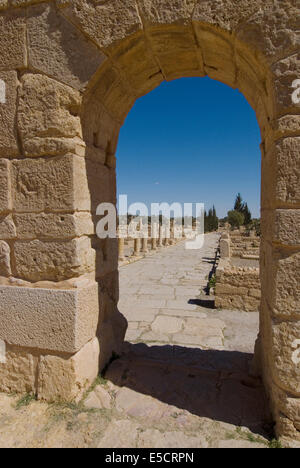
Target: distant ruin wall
[
  {"x": 243, "y": 245},
  {"x": 237, "y": 288}
]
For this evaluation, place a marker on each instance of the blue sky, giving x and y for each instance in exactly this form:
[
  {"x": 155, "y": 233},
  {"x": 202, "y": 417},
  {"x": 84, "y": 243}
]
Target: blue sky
[{"x": 191, "y": 140}]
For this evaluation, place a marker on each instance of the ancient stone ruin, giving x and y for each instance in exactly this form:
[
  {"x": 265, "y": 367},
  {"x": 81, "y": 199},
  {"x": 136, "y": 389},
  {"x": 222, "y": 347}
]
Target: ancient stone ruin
[
  {"x": 237, "y": 275},
  {"x": 70, "y": 72}
]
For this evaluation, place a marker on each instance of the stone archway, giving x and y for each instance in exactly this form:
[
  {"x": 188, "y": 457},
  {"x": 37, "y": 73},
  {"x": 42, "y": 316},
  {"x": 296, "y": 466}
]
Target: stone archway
[{"x": 70, "y": 71}]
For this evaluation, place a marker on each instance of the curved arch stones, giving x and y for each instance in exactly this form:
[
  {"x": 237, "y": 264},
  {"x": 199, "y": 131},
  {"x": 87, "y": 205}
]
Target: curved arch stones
[{"x": 72, "y": 70}]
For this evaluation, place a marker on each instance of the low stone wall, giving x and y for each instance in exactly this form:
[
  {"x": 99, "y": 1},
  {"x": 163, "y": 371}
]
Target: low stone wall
[
  {"x": 237, "y": 288},
  {"x": 243, "y": 245}
]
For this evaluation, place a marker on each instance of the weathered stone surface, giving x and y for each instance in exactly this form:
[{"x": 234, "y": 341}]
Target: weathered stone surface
[
  {"x": 282, "y": 226},
  {"x": 8, "y": 111},
  {"x": 58, "y": 49},
  {"x": 5, "y": 268},
  {"x": 99, "y": 399},
  {"x": 58, "y": 320},
  {"x": 225, "y": 13},
  {"x": 155, "y": 12},
  {"x": 138, "y": 63},
  {"x": 57, "y": 226},
  {"x": 168, "y": 325},
  {"x": 52, "y": 146},
  {"x": 12, "y": 41},
  {"x": 101, "y": 184},
  {"x": 272, "y": 29},
  {"x": 7, "y": 227},
  {"x": 152, "y": 438},
  {"x": 285, "y": 72},
  {"x": 53, "y": 261},
  {"x": 225, "y": 248},
  {"x": 5, "y": 186},
  {"x": 67, "y": 379},
  {"x": 120, "y": 434},
  {"x": 106, "y": 256},
  {"x": 175, "y": 48},
  {"x": 18, "y": 373},
  {"x": 286, "y": 369},
  {"x": 106, "y": 23},
  {"x": 219, "y": 61},
  {"x": 57, "y": 184},
  {"x": 283, "y": 293},
  {"x": 47, "y": 108},
  {"x": 287, "y": 162}
]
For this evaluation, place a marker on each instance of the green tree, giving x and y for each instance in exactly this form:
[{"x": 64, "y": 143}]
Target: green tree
[
  {"x": 247, "y": 214},
  {"x": 211, "y": 221},
  {"x": 238, "y": 205},
  {"x": 235, "y": 218}
]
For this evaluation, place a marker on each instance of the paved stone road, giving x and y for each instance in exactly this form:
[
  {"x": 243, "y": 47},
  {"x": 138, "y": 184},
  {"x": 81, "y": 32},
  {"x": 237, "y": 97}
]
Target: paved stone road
[
  {"x": 182, "y": 381},
  {"x": 159, "y": 297}
]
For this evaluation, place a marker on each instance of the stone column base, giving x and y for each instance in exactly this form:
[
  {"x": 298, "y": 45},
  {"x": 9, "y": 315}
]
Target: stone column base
[
  {"x": 48, "y": 376},
  {"x": 55, "y": 341}
]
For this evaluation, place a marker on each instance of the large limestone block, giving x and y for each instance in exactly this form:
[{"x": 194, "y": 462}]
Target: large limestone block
[
  {"x": 102, "y": 184},
  {"x": 12, "y": 41},
  {"x": 155, "y": 12},
  {"x": 47, "y": 109},
  {"x": 272, "y": 29},
  {"x": 218, "y": 55},
  {"x": 67, "y": 379},
  {"x": 285, "y": 347},
  {"x": 281, "y": 287},
  {"x": 53, "y": 261},
  {"x": 136, "y": 60},
  {"x": 5, "y": 186},
  {"x": 8, "y": 110},
  {"x": 7, "y": 228},
  {"x": 176, "y": 50},
  {"x": 52, "y": 146},
  {"x": 267, "y": 26},
  {"x": 18, "y": 373},
  {"x": 105, "y": 22},
  {"x": 106, "y": 256},
  {"x": 282, "y": 226},
  {"x": 52, "y": 226},
  {"x": 57, "y": 184},
  {"x": 49, "y": 319},
  {"x": 58, "y": 49},
  {"x": 233, "y": 290},
  {"x": 225, "y": 14},
  {"x": 112, "y": 93},
  {"x": 280, "y": 174},
  {"x": 5, "y": 269},
  {"x": 285, "y": 72}
]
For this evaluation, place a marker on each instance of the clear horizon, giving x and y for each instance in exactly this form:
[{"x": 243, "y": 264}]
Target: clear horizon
[{"x": 192, "y": 140}]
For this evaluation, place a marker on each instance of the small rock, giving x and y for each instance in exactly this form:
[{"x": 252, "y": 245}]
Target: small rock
[
  {"x": 104, "y": 397},
  {"x": 92, "y": 401}
]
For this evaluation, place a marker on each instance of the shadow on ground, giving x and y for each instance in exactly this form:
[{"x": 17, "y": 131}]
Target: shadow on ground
[{"x": 210, "y": 384}]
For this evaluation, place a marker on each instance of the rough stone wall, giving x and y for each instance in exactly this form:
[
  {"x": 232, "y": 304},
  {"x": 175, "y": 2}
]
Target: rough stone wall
[
  {"x": 242, "y": 245},
  {"x": 237, "y": 288},
  {"x": 71, "y": 72}
]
